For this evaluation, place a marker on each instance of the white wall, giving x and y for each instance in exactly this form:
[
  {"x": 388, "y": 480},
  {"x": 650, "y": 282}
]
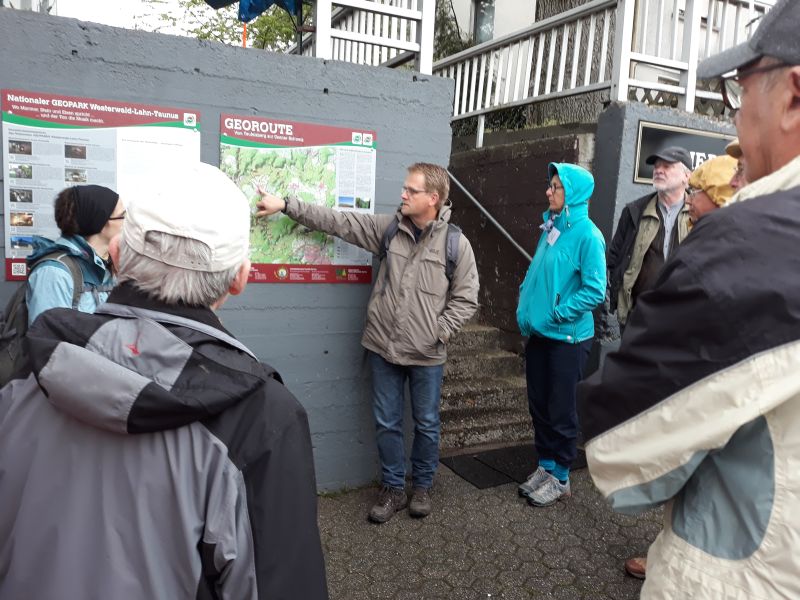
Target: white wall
[{"x": 509, "y": 15}]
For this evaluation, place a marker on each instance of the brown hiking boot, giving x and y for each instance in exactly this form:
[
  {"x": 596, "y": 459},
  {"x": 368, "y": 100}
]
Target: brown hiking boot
[
  {"x": 420, "y": 505},
  {"x": 390, "y": 500}
]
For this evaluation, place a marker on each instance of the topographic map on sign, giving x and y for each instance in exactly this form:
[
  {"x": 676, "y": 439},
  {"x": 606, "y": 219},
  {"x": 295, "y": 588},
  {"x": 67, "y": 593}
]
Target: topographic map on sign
[
  {"x": 305, "y": 173},
  {"x": 327, "y": 166}
]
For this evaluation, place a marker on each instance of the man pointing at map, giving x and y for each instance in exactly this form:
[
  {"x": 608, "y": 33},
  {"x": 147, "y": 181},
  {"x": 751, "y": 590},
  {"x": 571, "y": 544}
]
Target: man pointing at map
[{"x": 425, "y": 290}]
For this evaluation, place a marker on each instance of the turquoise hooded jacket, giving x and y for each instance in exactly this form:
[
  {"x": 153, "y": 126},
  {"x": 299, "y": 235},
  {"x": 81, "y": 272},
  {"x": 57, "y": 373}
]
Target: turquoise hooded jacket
[{"x": 567, "y": 276}]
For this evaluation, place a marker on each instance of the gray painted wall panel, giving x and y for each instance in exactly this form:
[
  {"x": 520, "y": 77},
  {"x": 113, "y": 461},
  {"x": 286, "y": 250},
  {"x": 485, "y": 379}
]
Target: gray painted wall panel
[{"x": 310, "y": 333}]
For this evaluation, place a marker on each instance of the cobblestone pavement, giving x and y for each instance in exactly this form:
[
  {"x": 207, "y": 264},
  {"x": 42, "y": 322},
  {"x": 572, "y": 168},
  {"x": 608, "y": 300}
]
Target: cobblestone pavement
[{"x": 482, "y": 544}]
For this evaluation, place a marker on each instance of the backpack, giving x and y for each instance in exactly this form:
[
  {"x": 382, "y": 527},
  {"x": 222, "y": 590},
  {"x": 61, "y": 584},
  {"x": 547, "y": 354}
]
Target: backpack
[
  {"x": 14, "y": 324},
  {"x": 451, "y": 252}
]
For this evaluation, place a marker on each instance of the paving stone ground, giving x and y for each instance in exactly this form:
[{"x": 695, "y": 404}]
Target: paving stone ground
[{"x": 483, "y": 544}]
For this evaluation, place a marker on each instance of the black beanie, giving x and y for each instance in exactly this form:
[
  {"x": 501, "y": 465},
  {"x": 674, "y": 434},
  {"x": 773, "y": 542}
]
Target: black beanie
[{"x": 94, "y": 204}]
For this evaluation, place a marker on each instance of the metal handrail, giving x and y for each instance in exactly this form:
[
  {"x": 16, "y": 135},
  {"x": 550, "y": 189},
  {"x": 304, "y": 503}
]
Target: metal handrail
[{"x": 491, "y": 219}]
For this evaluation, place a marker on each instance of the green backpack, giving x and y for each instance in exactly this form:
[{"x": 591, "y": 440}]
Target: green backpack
[{"x": 14, "y": 324}]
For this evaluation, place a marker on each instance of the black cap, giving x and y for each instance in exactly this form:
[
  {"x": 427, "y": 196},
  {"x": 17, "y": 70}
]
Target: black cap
[
  {"x": 672, "y": 154},
  {"x": 777, "y": 36}
]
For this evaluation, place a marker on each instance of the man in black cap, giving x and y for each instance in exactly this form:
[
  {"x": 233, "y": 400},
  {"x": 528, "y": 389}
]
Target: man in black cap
[
  {"x": 649, "y": 231},
  {"x": 700, "y": 408}
]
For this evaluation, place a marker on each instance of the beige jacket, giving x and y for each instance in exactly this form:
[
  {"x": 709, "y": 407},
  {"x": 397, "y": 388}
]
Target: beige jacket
[
  {"x": 648, "y": 229},
  {"x": 413, "y": 309}
]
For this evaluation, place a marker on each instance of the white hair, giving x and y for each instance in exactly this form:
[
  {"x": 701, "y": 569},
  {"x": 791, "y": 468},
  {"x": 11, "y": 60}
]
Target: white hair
[{"x": 168, "y": 283}]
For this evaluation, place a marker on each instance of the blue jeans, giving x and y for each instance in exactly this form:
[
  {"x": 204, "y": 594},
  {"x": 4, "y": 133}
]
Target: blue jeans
[{"x": 388, "y": 403}]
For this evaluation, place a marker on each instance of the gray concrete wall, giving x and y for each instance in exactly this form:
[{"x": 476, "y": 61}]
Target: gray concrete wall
[{"x": 310, "y": 333}]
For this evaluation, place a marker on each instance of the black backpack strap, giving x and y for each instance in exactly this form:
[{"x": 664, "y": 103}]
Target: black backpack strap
[
  {"x": 451, "y": 252},
  {"x": 72, "y": 266},
  {"x": 388, "y": 236}
]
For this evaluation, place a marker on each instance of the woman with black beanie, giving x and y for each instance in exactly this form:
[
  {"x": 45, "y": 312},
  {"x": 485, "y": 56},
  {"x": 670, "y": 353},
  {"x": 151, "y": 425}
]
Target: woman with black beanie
[{"x": 88, "y": 217}]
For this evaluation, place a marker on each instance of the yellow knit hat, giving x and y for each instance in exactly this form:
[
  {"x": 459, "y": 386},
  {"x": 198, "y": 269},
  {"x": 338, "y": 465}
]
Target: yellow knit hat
[{"x": 714, "y": 178}]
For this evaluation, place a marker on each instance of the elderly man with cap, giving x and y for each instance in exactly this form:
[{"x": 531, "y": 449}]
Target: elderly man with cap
[
  {"x": 700, "y": 408},
  {"x": 649, "y": 230},
  {"x": 147, "y": 453}
]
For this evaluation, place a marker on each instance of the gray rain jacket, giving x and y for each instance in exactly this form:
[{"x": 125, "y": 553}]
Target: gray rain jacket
[
  {"x": 413, "y": 309},
  {"x": 150, "y": 455}
]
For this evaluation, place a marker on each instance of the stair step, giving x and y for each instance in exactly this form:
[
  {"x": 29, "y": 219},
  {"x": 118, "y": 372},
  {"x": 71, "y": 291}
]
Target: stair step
[
  {"x": 491, "y": 363},
  {"x": 506, "y": 427},
  {"x": 474, "y": 336},
  {"x": 476, "y": 395}
]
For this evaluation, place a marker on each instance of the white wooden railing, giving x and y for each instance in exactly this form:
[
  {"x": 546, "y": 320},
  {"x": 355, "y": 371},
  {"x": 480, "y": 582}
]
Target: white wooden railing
[
  {"x": 563, "y": 55},
  {"x": 637, "y": 49},
  {"x": 669, "y": 37},
  {"x": 645, "y": 50},
  {"x": 374, "y": 32}
]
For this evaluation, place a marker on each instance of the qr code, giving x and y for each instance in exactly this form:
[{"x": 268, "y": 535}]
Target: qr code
[{"x": 19, "y": 269}]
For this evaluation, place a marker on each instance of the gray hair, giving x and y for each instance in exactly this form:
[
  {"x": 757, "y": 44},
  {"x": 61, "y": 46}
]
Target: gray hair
[{"x": 168, "y": 283}]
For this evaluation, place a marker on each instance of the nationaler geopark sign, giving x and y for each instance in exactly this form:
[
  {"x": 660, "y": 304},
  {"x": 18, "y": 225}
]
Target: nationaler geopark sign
[
  {"x": 329, "y": 166},
  {"x": 51, "y": 142}
]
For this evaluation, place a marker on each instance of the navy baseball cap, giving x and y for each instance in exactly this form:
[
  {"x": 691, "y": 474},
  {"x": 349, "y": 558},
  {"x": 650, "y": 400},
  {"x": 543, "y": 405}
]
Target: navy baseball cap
[
  {"x": 778, "y": 36},
  {"x": 672, "y": 154}
]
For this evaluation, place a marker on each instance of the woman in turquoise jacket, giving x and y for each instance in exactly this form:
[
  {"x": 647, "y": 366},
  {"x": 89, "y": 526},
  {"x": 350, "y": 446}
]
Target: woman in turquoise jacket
[{"x": 565, "y": 281}]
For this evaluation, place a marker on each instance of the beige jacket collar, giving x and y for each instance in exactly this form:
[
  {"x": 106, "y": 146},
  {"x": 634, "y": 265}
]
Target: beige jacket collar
[{"x": 785, "y": 178}]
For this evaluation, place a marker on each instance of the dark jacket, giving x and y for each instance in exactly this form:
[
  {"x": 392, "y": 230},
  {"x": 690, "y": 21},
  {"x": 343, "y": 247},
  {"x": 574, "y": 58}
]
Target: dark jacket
[
  {"x": 619, "y": 252},
  {"x": 700, "y": 407},
  {"x": 150, "y": 455}
]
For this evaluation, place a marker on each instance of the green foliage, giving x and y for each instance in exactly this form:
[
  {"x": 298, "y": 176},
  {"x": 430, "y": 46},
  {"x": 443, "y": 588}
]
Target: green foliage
[
  {"x": 448, "y": 38},
  {"x": 273, "y": 30}
]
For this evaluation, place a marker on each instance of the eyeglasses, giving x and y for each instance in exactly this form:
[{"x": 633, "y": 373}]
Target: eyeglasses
[
  {"x": 554, "y": 188},
  {"x": 732, "y": 89},
  {"x": 693, "y": 191},
  {"x": 412, "y": 192},
  {"x": 122, "y": 216}
]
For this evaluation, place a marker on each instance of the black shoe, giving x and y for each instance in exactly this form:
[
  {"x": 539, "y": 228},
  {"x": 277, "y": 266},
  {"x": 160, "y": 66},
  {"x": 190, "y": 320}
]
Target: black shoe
[
  {"x": 420, "y": 502},
  {"x": 390, "y": 500}
]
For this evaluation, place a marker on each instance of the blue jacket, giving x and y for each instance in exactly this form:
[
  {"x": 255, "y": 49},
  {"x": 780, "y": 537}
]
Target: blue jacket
[
  {"x": 567, "y": 277},
  {"x": 50, "y": 283}
]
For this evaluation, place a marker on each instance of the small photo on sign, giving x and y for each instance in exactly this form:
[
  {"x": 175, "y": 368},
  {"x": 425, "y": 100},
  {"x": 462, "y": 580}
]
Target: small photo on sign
[
  {"x": 20, "y": 242},
  {"x": 21, "y": 219},
  {"x": 346, "y": 201},
  {"x": 75, "y": 176},
  {"x": 363, "y": 202},
  {"x": 20, "y": 171},
  {"x": 20, "y": 147},
  {"x": 73, "y": 151},
  {"x": 20, "y": 195}
]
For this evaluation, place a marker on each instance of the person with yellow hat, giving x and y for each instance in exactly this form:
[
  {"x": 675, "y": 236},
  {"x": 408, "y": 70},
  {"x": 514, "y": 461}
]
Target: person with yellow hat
[{"x": 710, "y": 186}]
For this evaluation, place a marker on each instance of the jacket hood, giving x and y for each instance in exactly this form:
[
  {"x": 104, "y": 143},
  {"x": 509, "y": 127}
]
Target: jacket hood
[
  {"x": 128, "y": 373},
  {"x": 74, "y": 246},
  {"x": 578, "y": 183}
]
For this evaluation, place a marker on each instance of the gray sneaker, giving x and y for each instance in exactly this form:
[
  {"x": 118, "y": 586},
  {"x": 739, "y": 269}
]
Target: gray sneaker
[
  {"x": 550, "y": 492},
  {"x": 420, "y": 505},
  {"x": 535, "y": 479},
  {"x": 389, "y": 501}
]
